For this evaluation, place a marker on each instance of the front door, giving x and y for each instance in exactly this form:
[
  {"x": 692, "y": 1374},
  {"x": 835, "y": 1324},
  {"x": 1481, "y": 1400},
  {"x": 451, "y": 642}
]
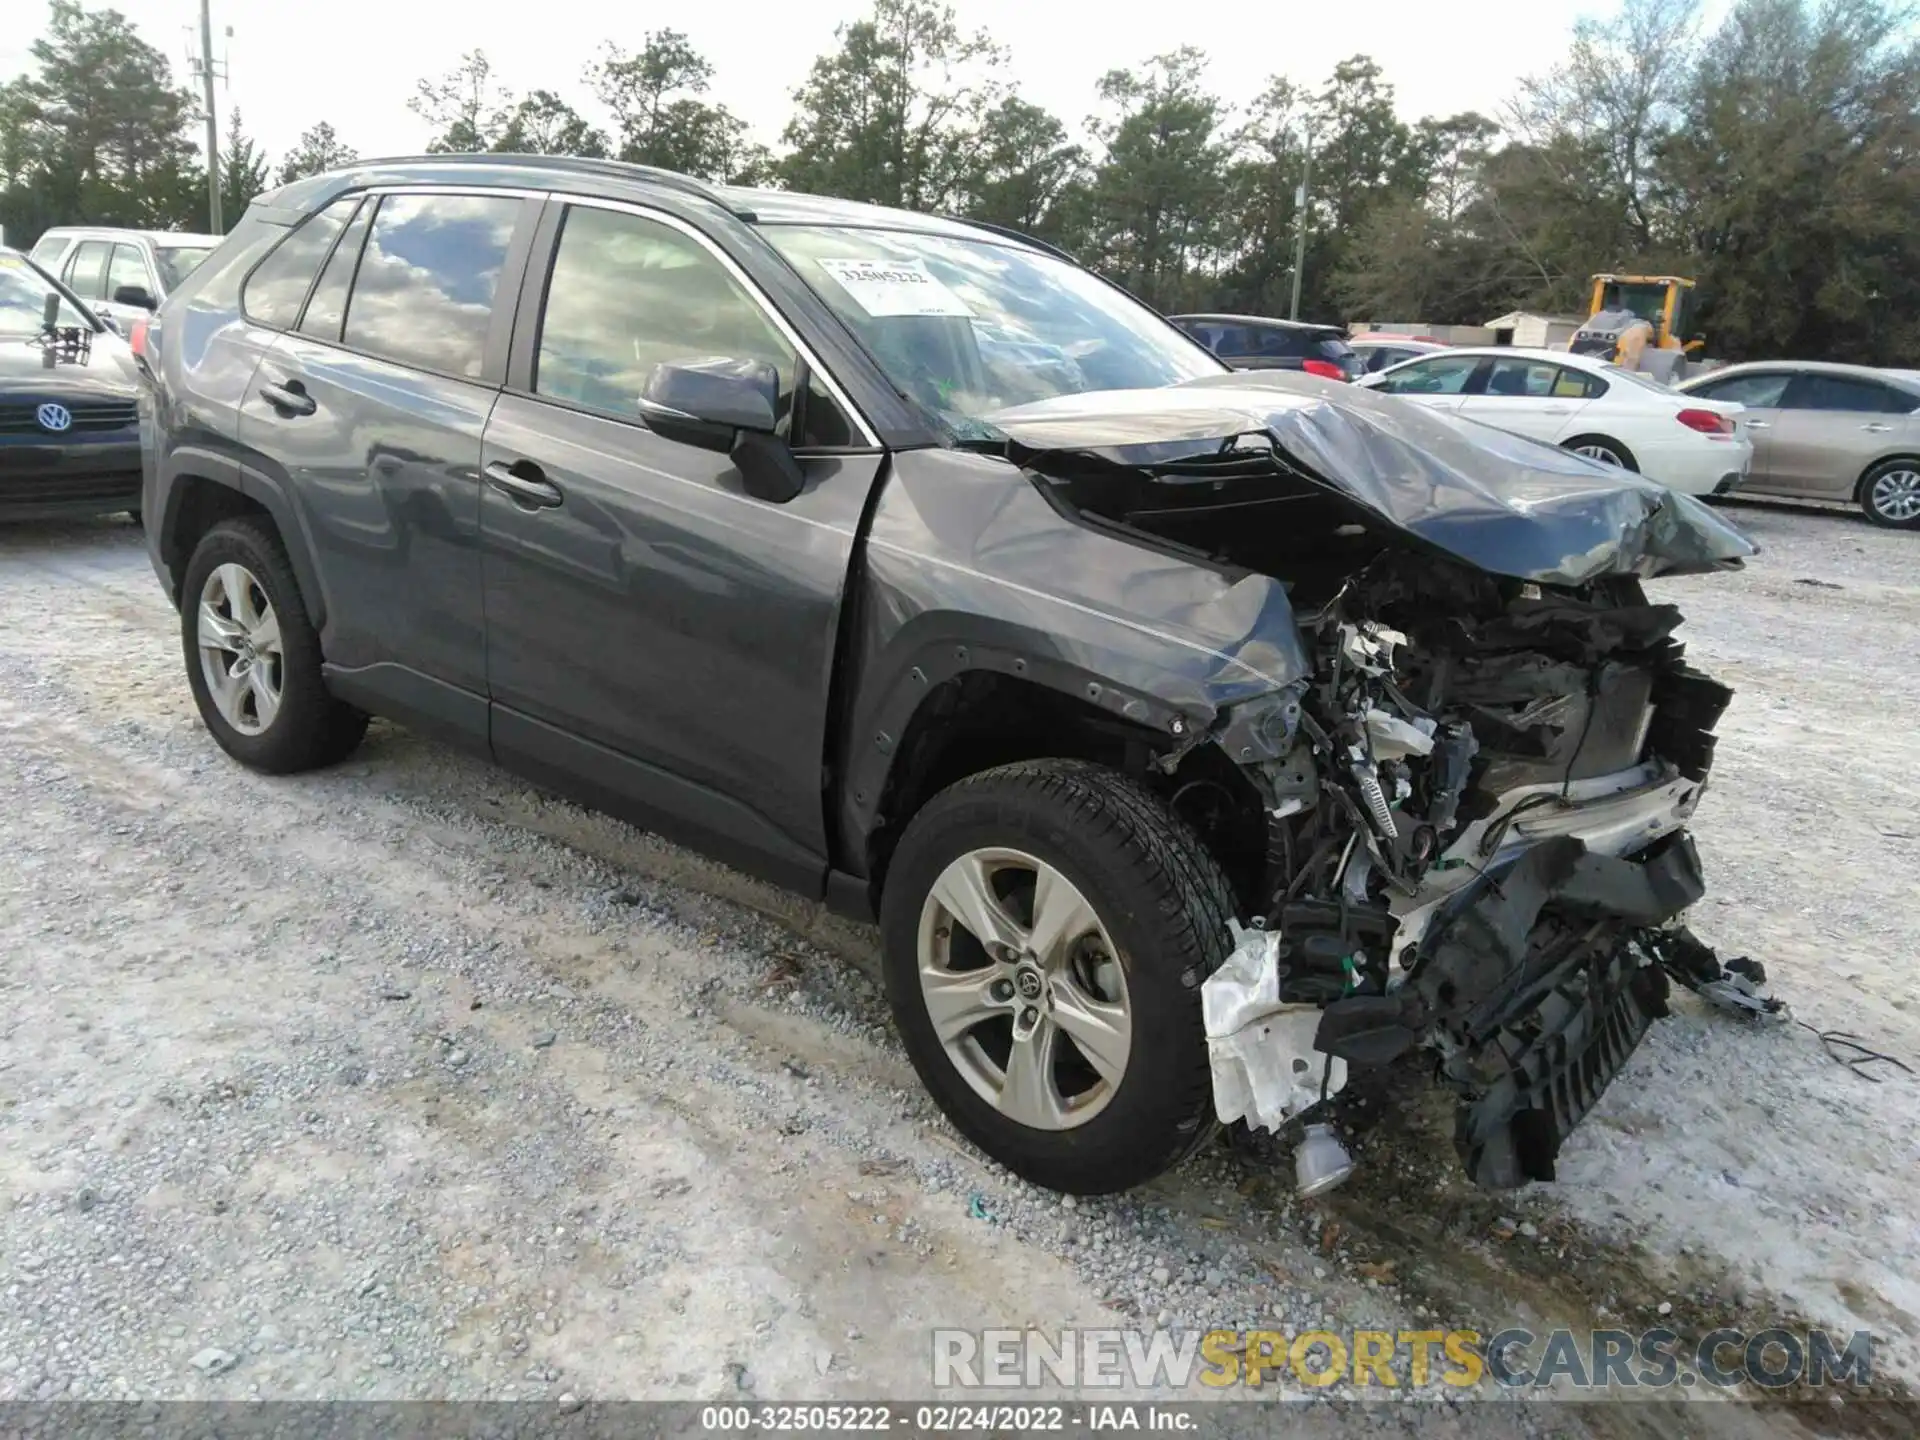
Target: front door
[{"x": 655, "y": 635}]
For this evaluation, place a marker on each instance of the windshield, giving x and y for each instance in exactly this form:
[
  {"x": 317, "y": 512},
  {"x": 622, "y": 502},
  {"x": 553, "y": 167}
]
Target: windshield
[
  {"x": 968, "y": 327},
  {"x": 23, "y": 300},
  {"x": 176, "y": 262}
]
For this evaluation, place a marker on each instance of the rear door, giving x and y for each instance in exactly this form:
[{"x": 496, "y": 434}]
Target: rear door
[
  {"x": 371, "y": 407},
  {"x": 1829, "y": 430},
  {"x": 1761, "y": 392},
  {"x": 1440, "y": 383},
  {"x": 653, "y": 631},
  {"x": 1533, "y": 397}
]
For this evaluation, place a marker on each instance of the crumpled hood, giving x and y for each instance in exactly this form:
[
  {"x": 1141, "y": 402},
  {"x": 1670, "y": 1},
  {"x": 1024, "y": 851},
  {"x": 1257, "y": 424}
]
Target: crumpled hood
[{"x": 1508, "y": 505}]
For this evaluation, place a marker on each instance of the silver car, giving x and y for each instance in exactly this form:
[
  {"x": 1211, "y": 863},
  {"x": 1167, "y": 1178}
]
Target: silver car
[
  {"x": 122, "y": 275},
  {"x": 1829, "y": 432}
]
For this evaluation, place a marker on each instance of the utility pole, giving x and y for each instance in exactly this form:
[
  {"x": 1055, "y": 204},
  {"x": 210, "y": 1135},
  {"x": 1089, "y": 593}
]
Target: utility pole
[
  {"x": 1300, "y": 223},
  {"x": 214, "y": 227}
]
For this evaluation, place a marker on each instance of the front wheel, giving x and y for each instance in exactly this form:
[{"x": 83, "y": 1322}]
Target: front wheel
[
  {"x": 1890, "y": 494},
  {"x": 1046, "y": 929}
]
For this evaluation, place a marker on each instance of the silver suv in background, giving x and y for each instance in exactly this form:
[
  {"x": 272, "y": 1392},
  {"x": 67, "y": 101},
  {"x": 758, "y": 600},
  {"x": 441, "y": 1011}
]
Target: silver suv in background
[{"x": 123, "y": 275}]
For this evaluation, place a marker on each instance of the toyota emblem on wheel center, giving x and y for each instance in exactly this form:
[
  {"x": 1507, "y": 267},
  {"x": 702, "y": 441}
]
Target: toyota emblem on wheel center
[{"x": 53, "y": 417}]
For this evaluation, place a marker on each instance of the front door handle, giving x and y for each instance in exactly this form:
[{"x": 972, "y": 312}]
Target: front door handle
[
  {"x": 1876, "y": 427},
  {"x": 524, "y": 483},
  {"x": 290, "y": 398}
]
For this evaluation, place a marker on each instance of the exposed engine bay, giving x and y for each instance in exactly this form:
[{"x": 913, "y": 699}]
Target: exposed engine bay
[
  {"x": 1475, "y": 842},
  {"x": 1474, "y": 800}
]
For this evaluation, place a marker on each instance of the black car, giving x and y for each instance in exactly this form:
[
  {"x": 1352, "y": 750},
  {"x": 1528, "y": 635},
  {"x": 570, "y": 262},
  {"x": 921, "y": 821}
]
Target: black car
[
  {"x": 69, "y": 413},
  {"x": 1191, "y": 734},
  {"x": 1251, "y": 342}
]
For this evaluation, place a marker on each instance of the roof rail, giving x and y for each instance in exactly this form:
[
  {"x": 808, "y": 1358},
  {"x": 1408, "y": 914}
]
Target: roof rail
[{"x": 573, "y": 164}]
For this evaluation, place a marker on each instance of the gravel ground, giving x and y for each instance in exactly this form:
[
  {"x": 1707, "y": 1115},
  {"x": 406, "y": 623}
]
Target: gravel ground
[{"x": 403, "y": 1080}]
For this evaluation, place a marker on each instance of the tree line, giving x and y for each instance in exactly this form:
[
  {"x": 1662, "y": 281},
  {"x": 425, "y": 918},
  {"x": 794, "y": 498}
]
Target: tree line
[{"x": 1775, "y": 158}]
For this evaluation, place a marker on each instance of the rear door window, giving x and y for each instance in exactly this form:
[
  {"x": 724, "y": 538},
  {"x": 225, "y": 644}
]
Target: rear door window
[
  {"x": 425, "y": 288},
  {"x": 1842, "y": 392},
  {"x": 278, "y": 286},
  {"x": 87, "y": 270},
  {"x": 1518, "y": 378}
]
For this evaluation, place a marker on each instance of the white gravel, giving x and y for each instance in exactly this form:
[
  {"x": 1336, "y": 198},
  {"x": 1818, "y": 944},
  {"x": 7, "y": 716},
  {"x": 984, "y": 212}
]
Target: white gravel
[{"x": 403, "y": 1080}]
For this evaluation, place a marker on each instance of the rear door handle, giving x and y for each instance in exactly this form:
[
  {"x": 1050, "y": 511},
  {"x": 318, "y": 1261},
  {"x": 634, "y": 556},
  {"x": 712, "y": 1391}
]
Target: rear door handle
[
  {"x": 1758, "y": 424},
  {"x": 524, "y": 483},
  {"x": 1876, "y": 427},
  {"x": 290, "y": 398}
]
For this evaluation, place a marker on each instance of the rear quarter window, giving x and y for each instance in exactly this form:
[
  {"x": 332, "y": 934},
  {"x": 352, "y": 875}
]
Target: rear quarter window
[{"x": 275, "y": 291}]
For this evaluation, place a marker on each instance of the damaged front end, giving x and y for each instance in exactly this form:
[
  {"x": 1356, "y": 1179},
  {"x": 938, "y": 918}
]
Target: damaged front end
[{"x": 1475, "y": 802}]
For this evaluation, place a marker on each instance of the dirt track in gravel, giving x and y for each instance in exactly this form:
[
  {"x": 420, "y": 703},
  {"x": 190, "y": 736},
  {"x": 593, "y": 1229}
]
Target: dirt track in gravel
[{"x": 718, "y": 1177}]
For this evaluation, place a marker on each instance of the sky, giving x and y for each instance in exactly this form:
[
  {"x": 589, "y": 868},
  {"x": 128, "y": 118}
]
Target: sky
[{"x": 355, "y": 62}]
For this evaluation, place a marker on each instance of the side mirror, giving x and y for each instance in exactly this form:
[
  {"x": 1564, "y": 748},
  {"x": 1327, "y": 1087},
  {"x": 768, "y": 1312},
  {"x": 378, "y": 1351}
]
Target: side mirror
[
  {"x": 731, "y": 406},
  {"x": 136, "y": 297}
]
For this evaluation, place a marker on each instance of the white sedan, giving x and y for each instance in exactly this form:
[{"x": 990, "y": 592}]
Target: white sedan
[{"x": 1586, "y": 405}]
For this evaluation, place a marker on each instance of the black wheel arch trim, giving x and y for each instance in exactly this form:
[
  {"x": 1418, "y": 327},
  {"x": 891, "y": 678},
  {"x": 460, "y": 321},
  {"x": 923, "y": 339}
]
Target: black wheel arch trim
[
  {"x": 200, "y": 464},
  {"x": 942, "y": 646}
]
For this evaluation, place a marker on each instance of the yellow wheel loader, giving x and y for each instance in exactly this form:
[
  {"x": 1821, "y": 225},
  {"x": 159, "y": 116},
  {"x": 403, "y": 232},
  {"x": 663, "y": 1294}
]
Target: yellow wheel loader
[{"x": 1638, "y": 322}]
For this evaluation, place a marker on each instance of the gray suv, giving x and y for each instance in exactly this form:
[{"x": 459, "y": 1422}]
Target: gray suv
[{"x": 1192, "y": 735}]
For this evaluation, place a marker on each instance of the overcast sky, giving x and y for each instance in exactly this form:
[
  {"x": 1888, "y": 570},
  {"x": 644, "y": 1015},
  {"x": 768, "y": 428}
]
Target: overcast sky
[{"x": 354, "y": 62}]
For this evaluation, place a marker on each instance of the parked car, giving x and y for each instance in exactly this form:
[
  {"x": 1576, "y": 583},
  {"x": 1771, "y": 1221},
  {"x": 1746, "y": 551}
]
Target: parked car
[
  {"x": 705, "y": 506},
  {"x": 1586, "y": 405},
  {"x": 124, "y": 275},
  {"x": 1250, "y": 342},
  {"x": 1829, "y": 432},
  {"x": 1379, "y": 352},
  {"x": 69, "y": 390}
]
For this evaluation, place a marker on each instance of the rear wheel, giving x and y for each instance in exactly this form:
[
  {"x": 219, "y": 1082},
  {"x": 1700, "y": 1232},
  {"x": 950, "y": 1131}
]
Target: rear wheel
[
  {"x": 1890, "y": 494},
  {"x": 253, "y": 656},
  {"x": 1047, "y": 926},
  {"x": 1603, "y": 449}
]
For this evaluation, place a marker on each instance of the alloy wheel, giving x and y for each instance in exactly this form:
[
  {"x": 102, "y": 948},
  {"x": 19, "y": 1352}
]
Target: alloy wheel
[
  {"x": 1024, "y": 988},
  {"x": 240, "y": 650},
  {"x": 1895, "y": 494},
  {"x": 1603, "y": 453}
]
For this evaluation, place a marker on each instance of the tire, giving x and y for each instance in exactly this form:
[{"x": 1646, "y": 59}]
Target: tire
[
  {"x": 1154, "y": 893},
  {"x": 1603, "y": 449},
  {"x": 1889, "y": 494},
  {"x": 305, "y": 727}
]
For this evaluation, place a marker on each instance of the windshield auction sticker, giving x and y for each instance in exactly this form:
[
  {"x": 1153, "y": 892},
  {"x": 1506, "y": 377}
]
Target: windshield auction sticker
[{"x": 895, "y": 287}]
